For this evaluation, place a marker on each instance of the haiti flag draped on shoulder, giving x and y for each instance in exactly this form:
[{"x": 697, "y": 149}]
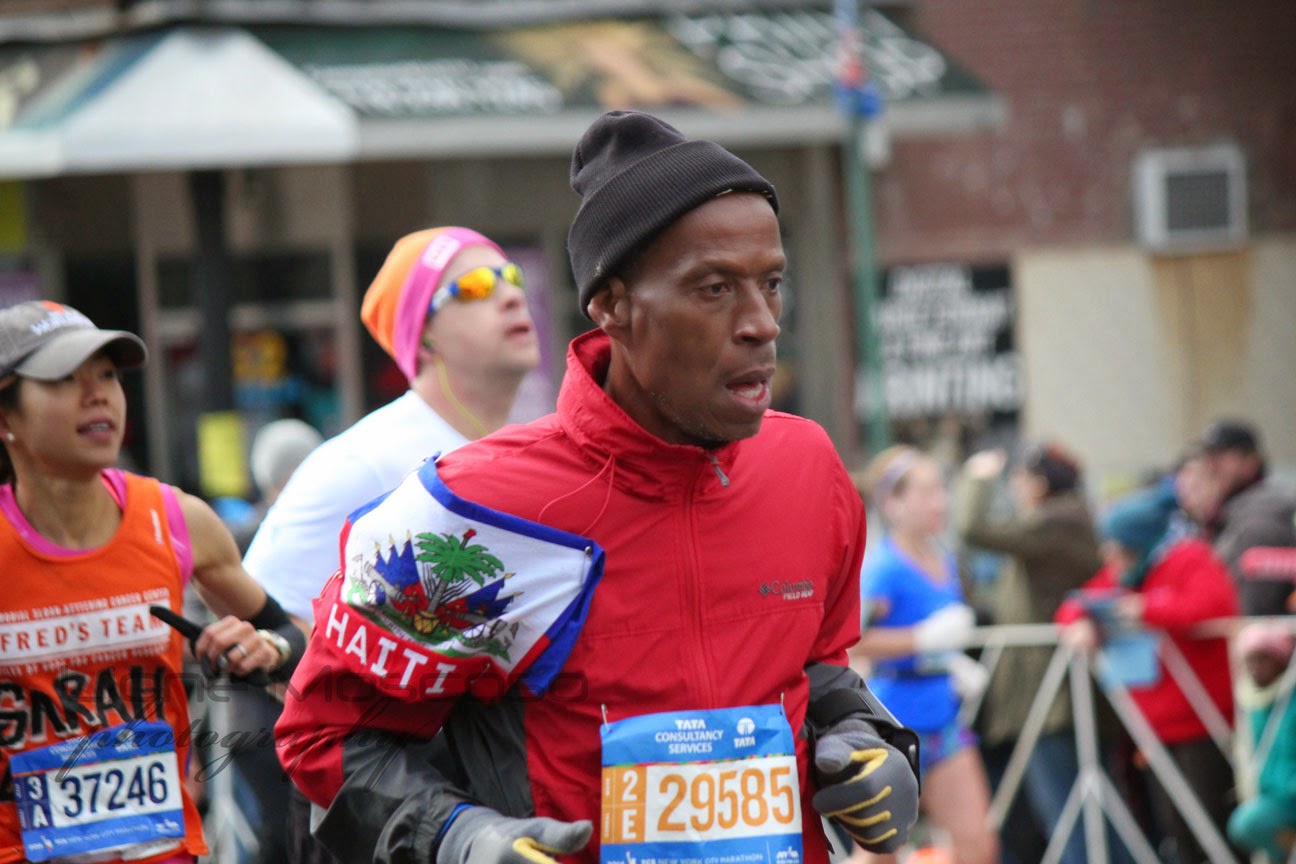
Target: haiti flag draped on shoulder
[{"x": 438, "y": 596}]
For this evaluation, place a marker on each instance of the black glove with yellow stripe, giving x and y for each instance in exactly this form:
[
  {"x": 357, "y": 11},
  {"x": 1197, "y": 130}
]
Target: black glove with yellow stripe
[
  {"x": 865, "y": 785},
  {"x": 479, "y": 835}
]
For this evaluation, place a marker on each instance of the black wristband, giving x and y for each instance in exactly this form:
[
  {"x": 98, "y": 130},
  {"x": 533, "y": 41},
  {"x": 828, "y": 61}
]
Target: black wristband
[{"x": 273, "y": 617}]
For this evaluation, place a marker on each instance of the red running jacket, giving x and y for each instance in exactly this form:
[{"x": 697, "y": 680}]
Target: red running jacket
[
  {"x": 1187, "y": 586},
  {"x": 727, "y": 573}
]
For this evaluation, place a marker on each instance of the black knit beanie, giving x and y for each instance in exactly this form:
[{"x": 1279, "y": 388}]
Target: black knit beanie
[{"x": 636, "y": 175}]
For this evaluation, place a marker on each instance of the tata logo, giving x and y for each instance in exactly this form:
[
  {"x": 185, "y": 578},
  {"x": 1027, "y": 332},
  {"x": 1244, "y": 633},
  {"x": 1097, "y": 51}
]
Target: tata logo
[{"x": 745, "y": 738}]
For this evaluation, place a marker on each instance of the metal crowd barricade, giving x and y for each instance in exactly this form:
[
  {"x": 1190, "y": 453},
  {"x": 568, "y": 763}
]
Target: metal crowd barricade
[
  {"x": 230, "y": 836},
  {"x": 1093, "y": 795}
]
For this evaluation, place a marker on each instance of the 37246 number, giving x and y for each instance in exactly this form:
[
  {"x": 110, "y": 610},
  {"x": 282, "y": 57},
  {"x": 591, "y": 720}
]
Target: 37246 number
[{"x": 91, "y": 793}]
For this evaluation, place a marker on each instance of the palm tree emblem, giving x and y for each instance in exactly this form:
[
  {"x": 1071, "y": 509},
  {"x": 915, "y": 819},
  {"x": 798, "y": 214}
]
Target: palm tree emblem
[
  {"x": 453, "y": 560},
  {"x": 455, "y": 568}
]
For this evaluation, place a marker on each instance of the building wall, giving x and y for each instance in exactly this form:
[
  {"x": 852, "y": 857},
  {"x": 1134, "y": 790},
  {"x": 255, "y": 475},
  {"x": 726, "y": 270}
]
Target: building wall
[
  {"x": 1128, "y": 353},
  {"x": 1087, "y": 83},
  {"x": 1129, "y": 356}
]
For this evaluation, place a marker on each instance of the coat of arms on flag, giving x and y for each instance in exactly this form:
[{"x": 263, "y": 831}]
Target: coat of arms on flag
[{"x": 436, "y": 591}]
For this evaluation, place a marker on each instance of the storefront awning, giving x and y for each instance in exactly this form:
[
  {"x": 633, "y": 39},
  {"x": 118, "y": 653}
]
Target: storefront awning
[
  {"x": 203, "y": 98},
  {"x": 179, "y": 99}
]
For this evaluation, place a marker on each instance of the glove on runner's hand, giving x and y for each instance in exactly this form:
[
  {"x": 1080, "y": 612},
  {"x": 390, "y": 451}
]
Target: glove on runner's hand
[
  {"x": 479, "y": 835},
  {"x": 969, "y": 677},
  {"x": 947, "y": 629},
  {"x": 865, "y": 786}
]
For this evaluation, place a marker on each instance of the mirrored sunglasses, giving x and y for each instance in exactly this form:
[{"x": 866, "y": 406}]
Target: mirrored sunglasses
[{"x": 477, "y": 284}]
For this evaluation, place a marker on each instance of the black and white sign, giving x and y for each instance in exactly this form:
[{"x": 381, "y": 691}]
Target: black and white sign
[{"x": 947, "y": 347}]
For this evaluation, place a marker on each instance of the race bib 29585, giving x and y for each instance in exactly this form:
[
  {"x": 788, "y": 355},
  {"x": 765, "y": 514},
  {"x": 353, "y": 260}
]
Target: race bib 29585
[{"x": 701, "y": 787}]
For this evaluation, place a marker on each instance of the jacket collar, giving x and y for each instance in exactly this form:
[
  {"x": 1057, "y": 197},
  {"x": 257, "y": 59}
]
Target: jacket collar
[{"x": 640, "y": 463}]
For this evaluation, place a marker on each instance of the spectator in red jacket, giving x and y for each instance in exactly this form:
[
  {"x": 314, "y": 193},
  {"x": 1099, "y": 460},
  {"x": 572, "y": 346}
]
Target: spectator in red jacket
[{"x": 1158, "y": 580}]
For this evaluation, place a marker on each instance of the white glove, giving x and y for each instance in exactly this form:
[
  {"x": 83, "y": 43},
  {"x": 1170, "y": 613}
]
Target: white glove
[
  {"x": 947, "y": 629},
  {"x": 969, "y": 677}
]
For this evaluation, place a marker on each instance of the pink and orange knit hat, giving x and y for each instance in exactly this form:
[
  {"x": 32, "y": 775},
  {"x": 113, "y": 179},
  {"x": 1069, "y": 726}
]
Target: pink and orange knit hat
[{"x": 396, "y": 304}]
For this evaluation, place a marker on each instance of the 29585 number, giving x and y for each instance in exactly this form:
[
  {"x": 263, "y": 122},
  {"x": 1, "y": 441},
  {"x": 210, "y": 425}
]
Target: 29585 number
[{"x": 753, "y": 797}]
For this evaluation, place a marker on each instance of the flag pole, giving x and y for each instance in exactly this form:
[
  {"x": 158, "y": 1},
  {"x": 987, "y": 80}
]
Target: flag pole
[{"x": 859, "y": 100}]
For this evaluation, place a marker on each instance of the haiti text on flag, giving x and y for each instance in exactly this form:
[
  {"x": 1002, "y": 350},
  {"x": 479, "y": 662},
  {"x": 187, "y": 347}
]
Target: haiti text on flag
[{"x": 438, "y": 596}]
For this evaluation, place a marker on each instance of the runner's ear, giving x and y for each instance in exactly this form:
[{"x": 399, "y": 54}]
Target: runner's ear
[{"x": 610, "y": 307}]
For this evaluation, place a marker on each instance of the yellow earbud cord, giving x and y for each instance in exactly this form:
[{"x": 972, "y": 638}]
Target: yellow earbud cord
[{"x": 442, "y": 377}]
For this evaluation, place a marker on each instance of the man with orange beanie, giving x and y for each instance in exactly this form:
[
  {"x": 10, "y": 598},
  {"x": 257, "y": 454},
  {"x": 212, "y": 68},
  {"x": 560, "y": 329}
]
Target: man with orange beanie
[{"x": 448, "y": 307}]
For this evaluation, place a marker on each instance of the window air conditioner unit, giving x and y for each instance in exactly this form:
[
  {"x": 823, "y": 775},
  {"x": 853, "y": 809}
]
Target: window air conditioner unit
[{"x": 1190, "y": 199}]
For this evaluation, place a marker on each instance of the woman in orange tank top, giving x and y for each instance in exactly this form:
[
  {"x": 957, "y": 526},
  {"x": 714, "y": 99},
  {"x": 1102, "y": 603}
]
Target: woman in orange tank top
[{"x": 94, "y": 728}]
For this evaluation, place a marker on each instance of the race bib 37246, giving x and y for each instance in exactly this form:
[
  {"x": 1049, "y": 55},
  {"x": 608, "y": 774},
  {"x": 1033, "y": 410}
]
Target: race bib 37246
[{"x": 115, "y": 790}]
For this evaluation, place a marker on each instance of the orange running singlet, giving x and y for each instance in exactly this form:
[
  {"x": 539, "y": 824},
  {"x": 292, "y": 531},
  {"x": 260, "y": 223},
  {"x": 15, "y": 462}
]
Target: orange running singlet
[{"x": 80, "y": 653}]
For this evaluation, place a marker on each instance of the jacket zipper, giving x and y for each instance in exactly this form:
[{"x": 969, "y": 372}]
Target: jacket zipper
[
  {"x": 694, "y": 588},
  {"x": 715, "y": 463}
]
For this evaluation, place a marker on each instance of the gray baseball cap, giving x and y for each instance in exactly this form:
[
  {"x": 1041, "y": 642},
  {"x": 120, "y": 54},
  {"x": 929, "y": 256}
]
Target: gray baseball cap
[{"x": 47, "y": 341}]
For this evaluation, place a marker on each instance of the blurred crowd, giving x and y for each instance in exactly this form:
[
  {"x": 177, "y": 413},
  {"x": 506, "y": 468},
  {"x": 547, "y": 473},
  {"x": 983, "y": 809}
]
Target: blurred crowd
[{"x": 1131, "y": 583}]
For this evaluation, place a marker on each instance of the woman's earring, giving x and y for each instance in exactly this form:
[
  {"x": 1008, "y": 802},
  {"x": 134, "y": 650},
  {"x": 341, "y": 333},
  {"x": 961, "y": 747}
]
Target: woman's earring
[{"x": 9, "y": 436}]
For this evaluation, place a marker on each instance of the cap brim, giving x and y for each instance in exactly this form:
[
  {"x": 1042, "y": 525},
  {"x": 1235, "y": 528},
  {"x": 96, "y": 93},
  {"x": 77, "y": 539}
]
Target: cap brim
[{"x": 60, "y": 356}]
